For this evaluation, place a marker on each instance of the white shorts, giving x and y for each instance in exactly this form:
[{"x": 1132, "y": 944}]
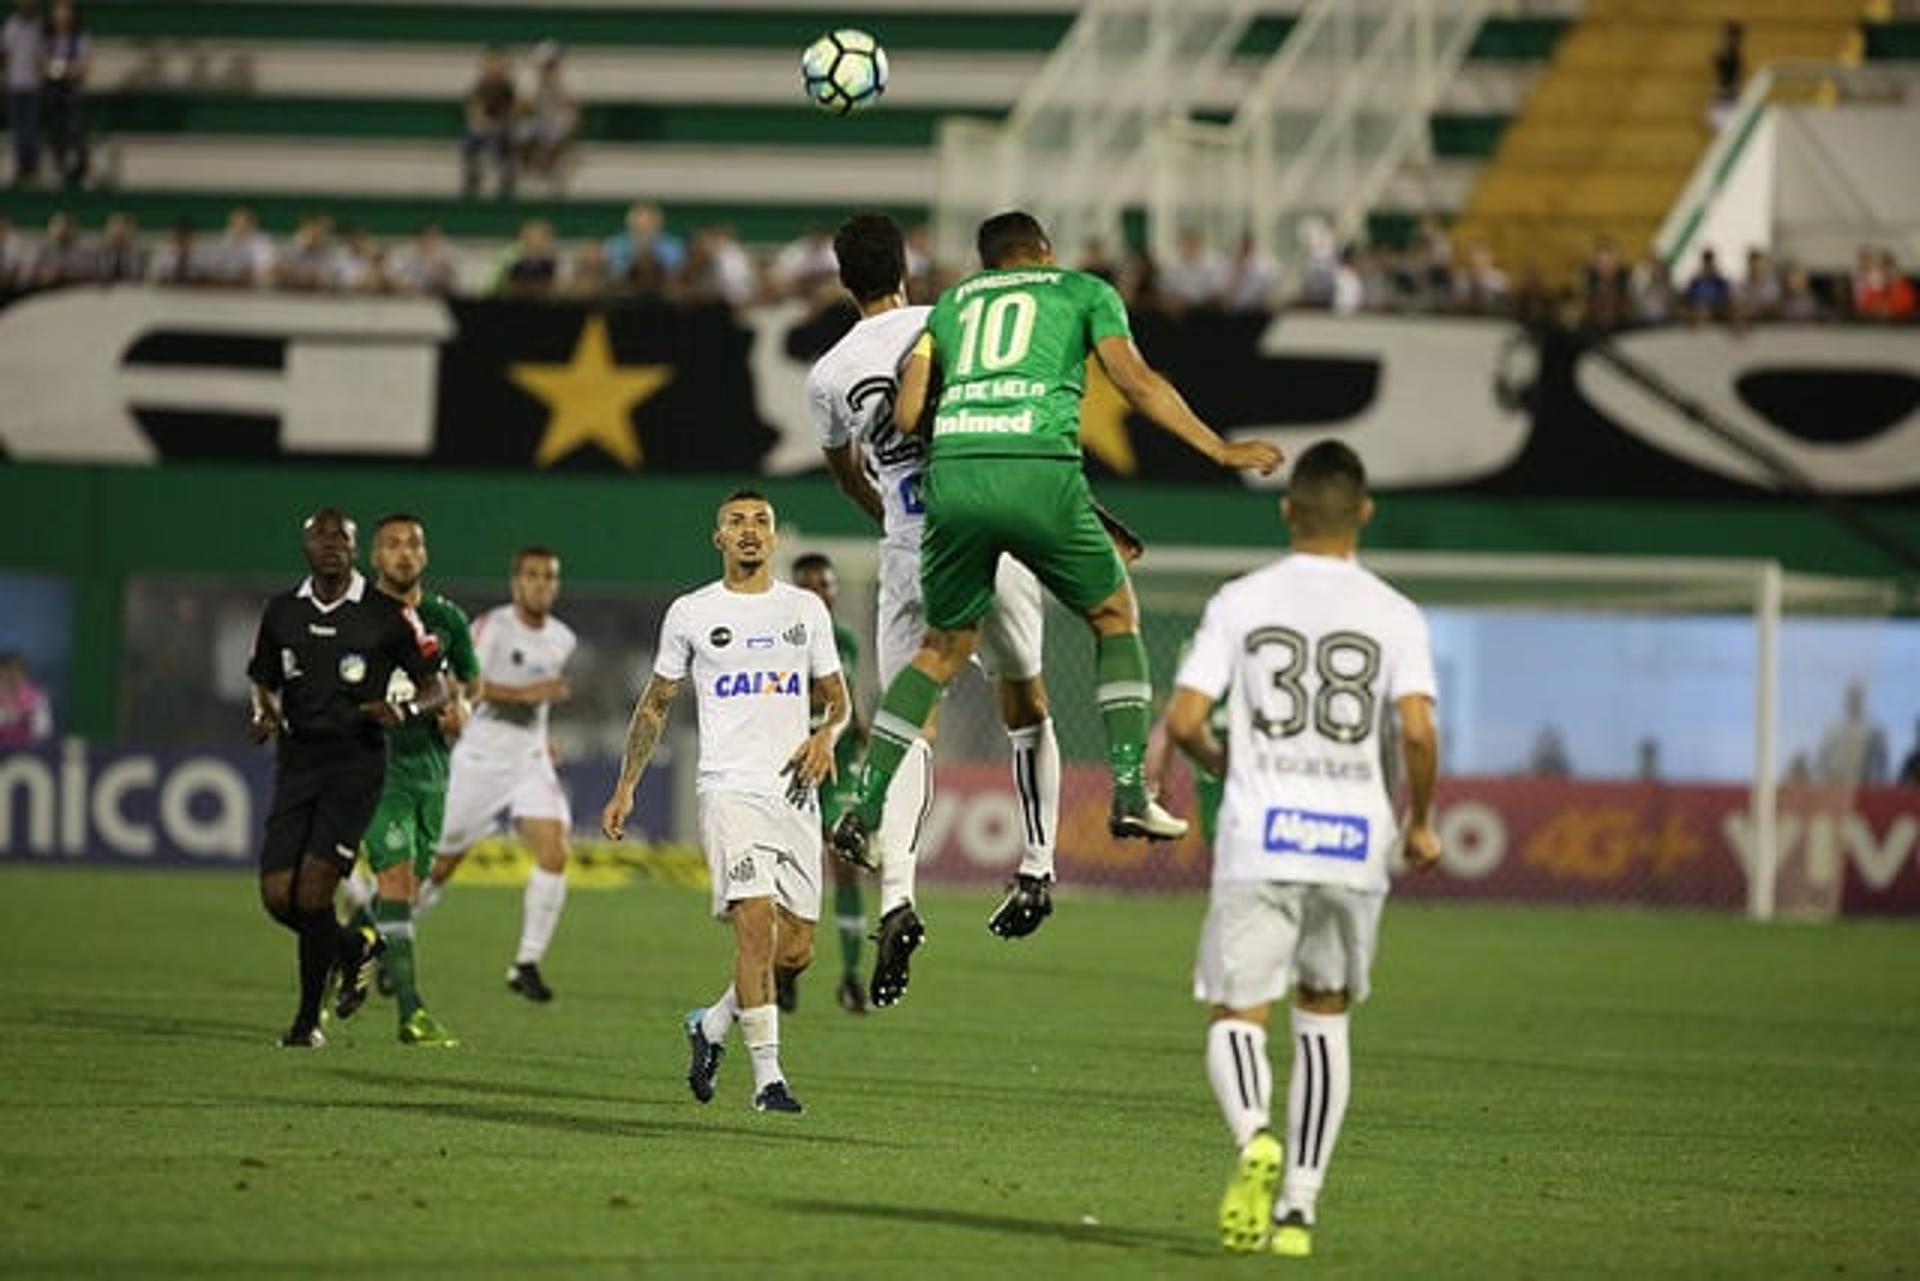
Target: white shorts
[
  {"x": 761, "y": 847},
  {"x": 481, "y": 789},
  {"x": 1264, "y": 937},
  {"x": 1011, "y": 635}
]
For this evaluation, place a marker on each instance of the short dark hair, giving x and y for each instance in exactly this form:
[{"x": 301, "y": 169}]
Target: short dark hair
[
  {"x": 1014, "y": 234},
  {"x": 398, "y": 518},
  {"x": 1327, "y": 489},
  {"x": 818, "y": 561},
  {"x": 872, "y": 255},
  {"x": 530, "y": 552},
  {"x": 744, "y": 494}
]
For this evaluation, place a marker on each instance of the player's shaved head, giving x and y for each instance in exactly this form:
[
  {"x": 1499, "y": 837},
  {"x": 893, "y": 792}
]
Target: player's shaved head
[
  {"x": 330, "y": 517},
  {"x": 872, "y": 255},
  {"x": 1327, "y": 493},
  {"x": 1012, "y": 237}
]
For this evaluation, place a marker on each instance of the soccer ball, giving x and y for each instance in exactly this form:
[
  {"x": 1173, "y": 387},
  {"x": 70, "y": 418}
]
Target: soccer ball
[{"x": 844, "y": 70}]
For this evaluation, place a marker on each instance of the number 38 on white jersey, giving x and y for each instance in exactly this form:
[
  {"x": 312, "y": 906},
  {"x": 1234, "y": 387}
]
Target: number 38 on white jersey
[{"x": 1310, "y": 654}]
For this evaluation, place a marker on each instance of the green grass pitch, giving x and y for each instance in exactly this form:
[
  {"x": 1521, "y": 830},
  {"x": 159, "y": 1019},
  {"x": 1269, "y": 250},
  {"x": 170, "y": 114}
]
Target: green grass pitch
[{"x": 1537, "y": 1093}]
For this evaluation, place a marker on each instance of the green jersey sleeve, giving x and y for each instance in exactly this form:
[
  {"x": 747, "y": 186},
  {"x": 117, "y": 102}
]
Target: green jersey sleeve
[
  {"x": 1106, "y": 313},
  {"x": 449, "y": 622}
]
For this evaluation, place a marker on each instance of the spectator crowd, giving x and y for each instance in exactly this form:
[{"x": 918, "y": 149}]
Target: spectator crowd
[
  {"x": 640, "y": 258},
  {"x": 519, "y": 126},
  {"x": 643, "y": 257}
]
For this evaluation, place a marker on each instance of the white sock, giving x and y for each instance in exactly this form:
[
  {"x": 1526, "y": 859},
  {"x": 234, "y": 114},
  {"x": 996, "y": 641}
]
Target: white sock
[
  {"x": 359, "y": 888},
  {"x": 760, "y": 1029},
  {"x": 908, "y": 796},
  {"x": 540, "y": 913},
  {"x": 1316, "y": 1104},
  {"x": 426, "y": 896},
  {"x": 1036, "y": 779},
  {"x": 718, "y": 1020},
  {"x": 1242, "y": 1080}
]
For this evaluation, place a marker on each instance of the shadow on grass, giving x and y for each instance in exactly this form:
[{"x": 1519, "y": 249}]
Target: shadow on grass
[
  {"x": 608, "y": 1127},
  {"x": 122, "y": 1023},
  {"x": 1005, "y": 1225},
  {"x": 1019, "y": 1091},
  {"x": 500, "y": 1089}
]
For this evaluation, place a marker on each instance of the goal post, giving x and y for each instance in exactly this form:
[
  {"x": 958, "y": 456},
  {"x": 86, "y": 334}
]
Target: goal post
[{"x": 1615, "y": 729}]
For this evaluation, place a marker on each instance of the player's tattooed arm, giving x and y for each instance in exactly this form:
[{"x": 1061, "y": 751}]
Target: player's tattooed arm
[
  {"x": 644, "y": 731},
  {"x": 1189, "y": 718}
]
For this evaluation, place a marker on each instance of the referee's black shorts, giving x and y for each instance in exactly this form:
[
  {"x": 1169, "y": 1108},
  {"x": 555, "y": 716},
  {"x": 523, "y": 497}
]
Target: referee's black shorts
[{"x": 322, "y": 803}]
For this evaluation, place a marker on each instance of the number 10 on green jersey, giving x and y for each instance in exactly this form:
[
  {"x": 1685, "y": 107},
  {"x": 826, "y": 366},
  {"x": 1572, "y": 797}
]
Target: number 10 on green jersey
[{"x": 1013, "y": 347}]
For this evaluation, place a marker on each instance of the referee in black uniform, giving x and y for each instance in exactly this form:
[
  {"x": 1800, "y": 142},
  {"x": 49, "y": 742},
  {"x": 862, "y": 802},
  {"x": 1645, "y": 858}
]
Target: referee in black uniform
[{"x": 320, "y": 668}]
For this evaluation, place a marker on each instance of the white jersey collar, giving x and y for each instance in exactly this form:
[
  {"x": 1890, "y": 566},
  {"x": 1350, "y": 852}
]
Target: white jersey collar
[{"x": 356, "y": 588}]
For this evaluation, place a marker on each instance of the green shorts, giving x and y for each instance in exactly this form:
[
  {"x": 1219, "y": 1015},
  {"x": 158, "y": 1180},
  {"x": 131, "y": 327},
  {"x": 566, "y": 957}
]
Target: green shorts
[
  {"x": 405, "y": 828},
  {"x": 1038, "y": 510}
]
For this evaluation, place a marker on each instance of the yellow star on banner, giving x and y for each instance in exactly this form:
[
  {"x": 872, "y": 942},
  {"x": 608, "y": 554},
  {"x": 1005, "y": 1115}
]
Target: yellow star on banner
[
  {"x": 1103, "y": 422},
  {"x": 590, "y": 400}
]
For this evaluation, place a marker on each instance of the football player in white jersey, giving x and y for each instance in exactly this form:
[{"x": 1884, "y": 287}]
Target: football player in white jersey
[
  {"x": 503, "y": 762},
  {"x": 1316, "y": 659},
  {"x": 754, "y": 649},
  {"x": 850, "y": 394}
]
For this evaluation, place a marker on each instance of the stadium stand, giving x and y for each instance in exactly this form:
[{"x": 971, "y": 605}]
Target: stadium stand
[
  {"x": 693, "y": 108},
  {"x": 1621, "y": 115},
  {"x": 1568, "y": 121}
]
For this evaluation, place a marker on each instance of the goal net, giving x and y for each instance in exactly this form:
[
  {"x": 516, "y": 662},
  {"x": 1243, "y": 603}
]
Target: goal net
[{"x": 1705, "y": 733}]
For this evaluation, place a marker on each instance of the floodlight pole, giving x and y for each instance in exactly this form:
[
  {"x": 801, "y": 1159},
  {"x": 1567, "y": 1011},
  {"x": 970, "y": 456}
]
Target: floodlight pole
[{"x": 1764, "y": 874}]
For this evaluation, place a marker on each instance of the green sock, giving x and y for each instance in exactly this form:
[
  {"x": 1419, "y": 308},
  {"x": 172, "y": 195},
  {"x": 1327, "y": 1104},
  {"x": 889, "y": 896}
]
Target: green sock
[
  {"x": 851, "y": 915},
  {"x": 904, "y": 709},
  {"x": 395, "y": 923},
  {"x": 1125, "y": 695}
]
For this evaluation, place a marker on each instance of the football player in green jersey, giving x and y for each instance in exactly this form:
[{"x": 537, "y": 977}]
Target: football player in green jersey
[
  {"x": 400, "y": 841},
  {"x": 814, "y": 571},
  {"x": 1011, "y": 344}
]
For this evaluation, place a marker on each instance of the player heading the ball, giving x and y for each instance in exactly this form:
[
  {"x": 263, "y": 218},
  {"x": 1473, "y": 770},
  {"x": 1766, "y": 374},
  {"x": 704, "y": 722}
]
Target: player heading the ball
[{"x": 1004, "y": 477}]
